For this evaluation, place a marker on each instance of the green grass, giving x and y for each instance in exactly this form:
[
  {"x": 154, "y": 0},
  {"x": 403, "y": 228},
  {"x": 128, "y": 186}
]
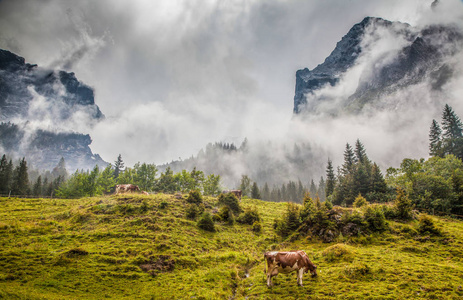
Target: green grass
[{"x": 128, "y": 247}]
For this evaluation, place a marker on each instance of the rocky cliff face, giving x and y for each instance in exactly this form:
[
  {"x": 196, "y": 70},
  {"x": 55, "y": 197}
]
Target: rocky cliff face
[
  {"x": 37, "y": 107},
  {"x": 417, "y": 55}
]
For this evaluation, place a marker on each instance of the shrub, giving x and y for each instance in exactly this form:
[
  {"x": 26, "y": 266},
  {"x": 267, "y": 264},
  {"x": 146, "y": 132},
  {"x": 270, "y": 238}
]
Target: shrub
[
  {"x": 226, "y": 215},
  {"x": 231, "y": 201},
  {"x": 257, "y": 227},
  {"x": 206, "y": 222},
  {"x": 249, "y": 216},
  {"x": 427, "y": 226},
  {"x": 290, "y": 221},
  {"x": 375, "y": 218},
  {"x": 163, "y": 204},
  {"x": 192, "y": 211},
  {"x": 403, "y": 206},
  {"x": 360, "y": 201},
  {"x": 195, "y": 197}
]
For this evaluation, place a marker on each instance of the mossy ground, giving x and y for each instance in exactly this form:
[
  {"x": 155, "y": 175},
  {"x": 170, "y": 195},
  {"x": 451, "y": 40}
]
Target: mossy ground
[{"x": 127, "y": 247}]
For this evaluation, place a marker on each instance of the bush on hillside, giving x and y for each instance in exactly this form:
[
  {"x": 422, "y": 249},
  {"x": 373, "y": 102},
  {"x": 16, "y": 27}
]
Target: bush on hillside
[
  {"x": 257, "y": 227},
  {"x": 360, "y": 201},
  {"x": 225, "y": 215},
  {"x": 426, "y": 226},
  {"x": 231, "y": 201},
  {"x": 290, "y": 221},
  {"x": 374, "y": 216},
  {"x": 193, "y": 211},
  {"x": 403, "y": 206},
  {"x": 249, "y": 216},
  {"x": 194, "y": 196},
  {"x": 206, "y": 222}
]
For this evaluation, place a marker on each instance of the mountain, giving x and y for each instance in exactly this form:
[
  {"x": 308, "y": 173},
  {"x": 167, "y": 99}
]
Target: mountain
[
  {"x": 39, "y": 109},
  {"x": 383, "y": 57}
]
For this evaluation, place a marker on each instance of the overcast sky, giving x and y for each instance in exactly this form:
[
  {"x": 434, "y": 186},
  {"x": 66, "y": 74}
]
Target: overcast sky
[{"x": 171, "y": 76}]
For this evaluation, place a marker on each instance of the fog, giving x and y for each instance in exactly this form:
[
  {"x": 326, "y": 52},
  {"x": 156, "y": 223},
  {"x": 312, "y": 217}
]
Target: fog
[{"x": 172, "y": 76}]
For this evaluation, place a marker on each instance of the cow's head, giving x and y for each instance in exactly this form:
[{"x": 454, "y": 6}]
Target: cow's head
[{"x": 310, "y": 266}]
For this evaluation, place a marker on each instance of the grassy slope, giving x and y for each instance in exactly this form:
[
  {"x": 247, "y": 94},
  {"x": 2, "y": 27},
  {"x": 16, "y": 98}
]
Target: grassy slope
[{"x": 92, "y": 248}]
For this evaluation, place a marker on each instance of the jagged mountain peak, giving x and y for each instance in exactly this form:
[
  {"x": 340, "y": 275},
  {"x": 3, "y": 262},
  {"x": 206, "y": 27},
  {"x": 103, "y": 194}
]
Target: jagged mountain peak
[
  {"x": 393, "y": 55},
  {"x": 40, "y": 110}
]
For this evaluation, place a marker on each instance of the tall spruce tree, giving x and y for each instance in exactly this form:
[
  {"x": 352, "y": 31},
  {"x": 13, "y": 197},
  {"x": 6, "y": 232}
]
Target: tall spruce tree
[
  {"x": 118, "y": 166},
  {"x": 21, "y": 178},
  {"x": 255, "y": 193},
  {"x": 435, "y": 140},
  {"x": 360, "y": 152},
  {"x": 330, "y": 179},
  {"x": 452, "y": 133},
  {"x": 6, "y": 175},
  {"x": 349, "y": 160}
]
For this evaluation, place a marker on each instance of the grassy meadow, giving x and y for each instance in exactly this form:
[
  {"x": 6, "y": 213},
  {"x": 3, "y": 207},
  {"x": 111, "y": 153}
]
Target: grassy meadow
[{"x": 128, "y": 247}]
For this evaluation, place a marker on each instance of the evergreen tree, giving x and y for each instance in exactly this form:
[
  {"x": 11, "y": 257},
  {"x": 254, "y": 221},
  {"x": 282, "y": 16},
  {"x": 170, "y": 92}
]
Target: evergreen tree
[
  {"x": 118, "y": 166},
  {"x": 255, "y": 194},
  {"x": 452, "y": 133},
  {"x": 378, "y": 188},
  {"x": 349, "y": 160},
  {"x": 37, "y": 188},
  {"x": 330, "y": 179},
  {"x": 313, "y": 188},
  {"x": 321, "y": 189},
  {"x": 21, "y": 178},
  {"x": 266, "y": 192},
  {"x": 360, "y": 152},
  {"x": 6, "y": 175},
  {"x": 166, "y": 182},
  {"x": 435, "y": 140}
]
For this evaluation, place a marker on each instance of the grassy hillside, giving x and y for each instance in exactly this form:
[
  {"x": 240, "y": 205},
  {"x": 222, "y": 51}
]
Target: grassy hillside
[{"x": 127, "y": 247}]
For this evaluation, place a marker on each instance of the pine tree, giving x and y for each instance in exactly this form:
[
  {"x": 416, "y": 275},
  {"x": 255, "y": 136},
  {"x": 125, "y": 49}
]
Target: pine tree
[
  {"x": 330, "y": 179},
  {"x": 21, "y": 178},
  {"x": 360, "y": 152},
  {"x": 349, "y": 160},
  {"x": 37, "y": 189},
  {"x": 321, "y": 189},
  {"x": 255, "y": 194},
  {"x": 313, "y": 188},
  {"x": 6, "y": 175},
  {"x": 435, "y": 140},
  {"x": 118, "y": 166},
  {"x": 452, "y": 133},
  {"x": 266, "y": 192}
]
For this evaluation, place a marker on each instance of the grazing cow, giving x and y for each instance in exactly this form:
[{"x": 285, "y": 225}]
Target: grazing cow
[
  {"x": 126, "y": 188},
  {"x": 286, "y": 262},
  {"x": 237, "y": 193}
]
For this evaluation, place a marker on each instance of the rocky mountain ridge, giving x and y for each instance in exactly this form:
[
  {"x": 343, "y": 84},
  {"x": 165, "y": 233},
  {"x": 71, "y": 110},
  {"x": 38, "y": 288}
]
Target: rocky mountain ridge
[
  {"x": 36, "y": 107},
  {"x": 421, "y": 56}
]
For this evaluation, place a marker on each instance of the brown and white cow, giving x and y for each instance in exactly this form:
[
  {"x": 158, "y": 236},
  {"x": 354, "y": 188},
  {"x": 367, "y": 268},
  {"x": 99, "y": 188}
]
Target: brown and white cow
[
  {"x": 237, "y": 193},
  {"x": 126, "y": 188},
  {"x": 287, "y": 262}
]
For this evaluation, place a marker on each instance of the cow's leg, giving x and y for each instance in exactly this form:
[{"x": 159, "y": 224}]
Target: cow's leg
[
  {"x": 269, "y": 279},
  {"x": 300, "y": 274}
]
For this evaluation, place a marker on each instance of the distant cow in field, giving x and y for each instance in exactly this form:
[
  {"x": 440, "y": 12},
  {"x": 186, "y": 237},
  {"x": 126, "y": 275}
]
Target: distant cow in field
[
  {"x": 237, "y": 193},
  {"x": 287, "y": 262},
  {"x": 145, "y": 193},
  {"x": 126, "y": 188}
]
